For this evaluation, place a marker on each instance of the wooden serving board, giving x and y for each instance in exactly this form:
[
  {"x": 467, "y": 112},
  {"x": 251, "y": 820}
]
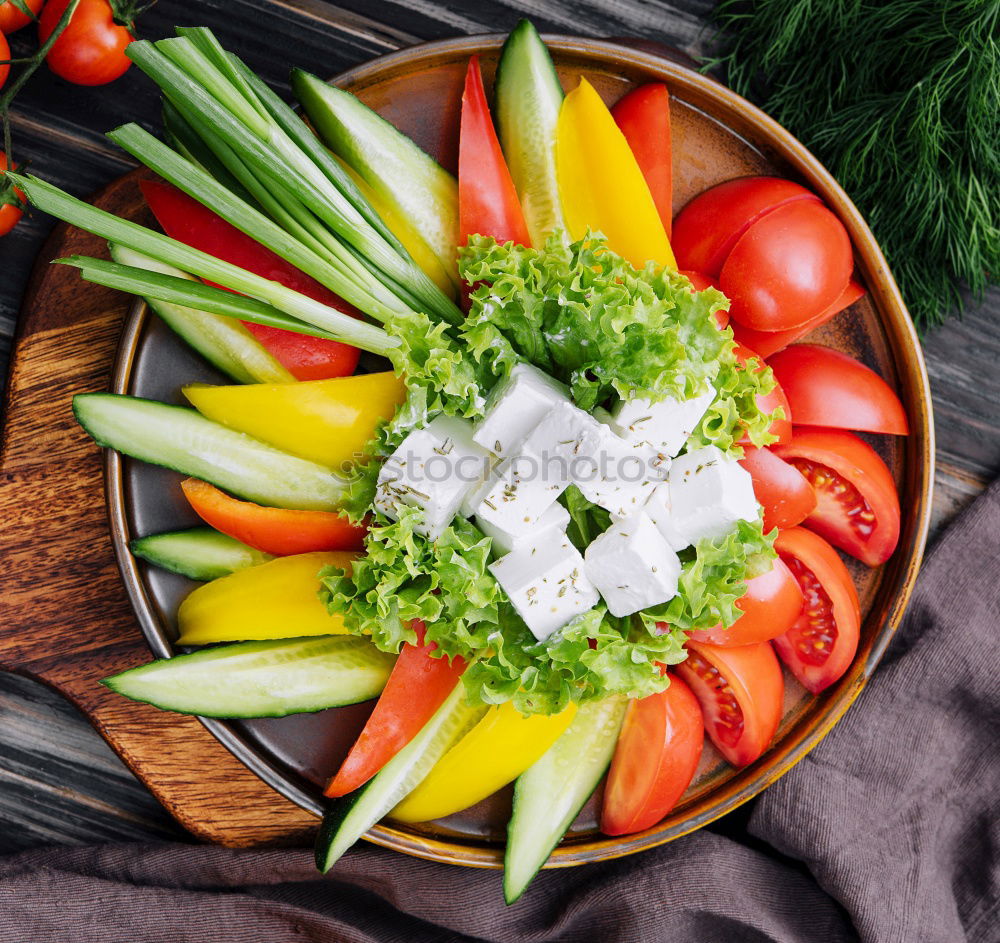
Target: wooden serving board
[{"x": 64, "y": 615}]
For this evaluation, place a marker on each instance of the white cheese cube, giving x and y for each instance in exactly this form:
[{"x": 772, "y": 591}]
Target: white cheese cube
[
  {"x": 555, "y": 518},
  {"x": 518, "y": 493},
  {"x": 546, "y": 583},
  {"x": 433, "y": 469},
  {"x": 632, "y": 566},
  {"x": 665, "y": 425},
  {"x": 479, "y": 489},
  {"x": 568, "y": 442},
  {"x": 658, "y": 509},
  {"x": 709, "y": 493},
  {"x": 622, "y": 476},
  {"x": 516, "y": 406}
]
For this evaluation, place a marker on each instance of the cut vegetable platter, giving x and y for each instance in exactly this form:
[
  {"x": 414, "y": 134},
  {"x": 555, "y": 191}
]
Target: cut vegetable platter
[{"x": 65, "y": 617}]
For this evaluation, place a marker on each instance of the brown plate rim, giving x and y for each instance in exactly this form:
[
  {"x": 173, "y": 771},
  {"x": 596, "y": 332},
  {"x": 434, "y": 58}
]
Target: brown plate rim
[{"x": 919, "y": 467}]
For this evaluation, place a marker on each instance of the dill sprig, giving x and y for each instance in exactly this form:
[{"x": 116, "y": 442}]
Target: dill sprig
[{"x": 901, "y": 100}]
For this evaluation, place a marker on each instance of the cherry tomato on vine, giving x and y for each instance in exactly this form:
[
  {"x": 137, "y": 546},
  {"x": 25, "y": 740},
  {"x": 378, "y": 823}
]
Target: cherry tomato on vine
[
  {"x": 10, "y": 212},
  {"x": 12, "y": 18},
  {"x": 769, "y": 402},
  {"x": 857, "y": 507},
  {"x": 708, "y": 227},
  {"x": 770, "y": 607},
  {"x": 91, "y": 50},
  {"x": 740, "y": 691},
  {"x": 4, "y": 54},
  {"x": 820, "y": 646},
  {"x": 781, "y": 489},
  {"x": 788, "y": 267},
  {"x": 655, "y": 759},
  {"x": 828, "y": 388}
]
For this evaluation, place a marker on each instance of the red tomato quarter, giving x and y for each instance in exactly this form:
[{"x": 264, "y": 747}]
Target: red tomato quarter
[
  {"x": 91, "y": 50},
  {"x": 643, "y": 116},
  {"x": 770, "y": 606},
  {"x": 740, "y": 691},
  {"x": 272, "y": 530},
  {"x": 781, "y": 489},
  {"x": 708, "y": 227},
  {"x": 788, "y": 267},
  {"x": 12, "y": 18},
  {"x": 820, "y": 646},
  {"x": 655, "y": 759},
  {"x": 770, "y": 342},
  {"x": 827, "y": 388},
  {"x": 768, "y": 403},
  {"x": 857, "y": 507}
]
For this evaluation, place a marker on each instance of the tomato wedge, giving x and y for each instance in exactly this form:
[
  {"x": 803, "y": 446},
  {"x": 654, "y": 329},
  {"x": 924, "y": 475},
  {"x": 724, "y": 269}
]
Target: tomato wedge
[
  {"x": 487, "y": 199},
  {"x": 857, "y": 507},
  {"x": 643, "y": 116},
  {"x": 821, "y": 645},
  {"x": 306, "y": 358},
  {"x": 788, "y": 267},
  {"x": 740, "y": 691},
  {"x": 781, "y": 489},
  {"x": 770, "y": 342},
  {"x": 769, "y": 402},
  {"x": 273, "y": 530},
  {"x": 655, "y": 759},
  {"x": 416, "y": 688},
  {"x": 708, "y": 227},
  {"x": 771, "y": 606},
  {"x": 828, "y": 388}
]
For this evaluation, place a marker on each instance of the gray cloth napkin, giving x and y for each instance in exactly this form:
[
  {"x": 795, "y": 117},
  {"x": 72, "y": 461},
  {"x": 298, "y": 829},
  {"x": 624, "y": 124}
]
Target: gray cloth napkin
[{"x": 888, "y": 831}]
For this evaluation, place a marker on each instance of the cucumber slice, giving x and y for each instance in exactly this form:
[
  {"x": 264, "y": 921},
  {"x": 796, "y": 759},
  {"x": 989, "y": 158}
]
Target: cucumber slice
[
  {"x": 348, "y": 818},
  {"x": 549, "y": 795},
  {"x": 261, "y": 679},
  {"x": 181, "y": 439},
  {"x": 528, "y": 98},
  {"x": 412, "y": 182},
  {"x": 224, "y": 342},
  {"x": 200, "y": 553}
]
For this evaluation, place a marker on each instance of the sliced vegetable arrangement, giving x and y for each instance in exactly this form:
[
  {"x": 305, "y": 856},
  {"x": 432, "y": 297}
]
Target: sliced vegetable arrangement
[{"x": 570, "y": 528}]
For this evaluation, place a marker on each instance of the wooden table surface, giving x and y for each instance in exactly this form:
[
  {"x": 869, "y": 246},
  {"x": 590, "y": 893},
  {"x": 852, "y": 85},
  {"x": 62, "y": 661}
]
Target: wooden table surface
[{"x": 59, "y": 782}]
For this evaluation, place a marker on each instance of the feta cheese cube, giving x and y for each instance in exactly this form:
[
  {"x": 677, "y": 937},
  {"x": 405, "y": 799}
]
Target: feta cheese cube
[
  {"x": 622, "y": 476},
  {"x": 568, "y": 443},
  {"x": 709, "y": 493},
  {"x": 658, "y": 509},
  {"x": 517, "y": 494},
  {"x": 665, "y": 425},
  {"x": 516, "y": 406},
  {"x": 632, "y": 566},
  {"x": 433, "y": 469},
  {"x": 546, "y": 583},
  {"x": 555, "y": 518}
]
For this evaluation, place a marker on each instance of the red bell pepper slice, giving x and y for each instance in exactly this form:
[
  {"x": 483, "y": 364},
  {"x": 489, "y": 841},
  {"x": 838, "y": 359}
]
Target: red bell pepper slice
[
  {"x": 643, "y": 116},
  {"x": 417, "y": 687},
  {"x": 306, "y": 358},
  {"x": 487, "y": 200},
  {"x": 273, "y": 530}
]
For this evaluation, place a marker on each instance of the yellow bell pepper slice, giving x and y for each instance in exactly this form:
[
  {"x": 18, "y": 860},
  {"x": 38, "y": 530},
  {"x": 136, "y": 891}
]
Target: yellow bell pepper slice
[
  {"x": 277, "y": 599},
  {"x": 325, "y": 421},
  {"x": 601, "y": 185},
  {"x": 418, "y": 247},
  {"x": 495, "y": 752}
]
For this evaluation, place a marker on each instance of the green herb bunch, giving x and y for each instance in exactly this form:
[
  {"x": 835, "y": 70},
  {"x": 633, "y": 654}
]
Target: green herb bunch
[{"x": 901, "y": 100}]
